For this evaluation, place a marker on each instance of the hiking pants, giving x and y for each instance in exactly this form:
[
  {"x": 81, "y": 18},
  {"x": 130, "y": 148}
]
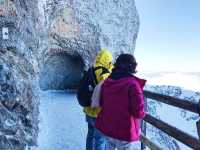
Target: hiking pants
[
  {"x": 115, "y": 144},
  {"x": 95, "y": 140}
]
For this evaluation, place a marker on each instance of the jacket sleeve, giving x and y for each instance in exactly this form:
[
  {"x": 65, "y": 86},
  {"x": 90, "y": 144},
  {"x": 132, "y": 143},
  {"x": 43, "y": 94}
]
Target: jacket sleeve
[{"x": 136, "y": 101}]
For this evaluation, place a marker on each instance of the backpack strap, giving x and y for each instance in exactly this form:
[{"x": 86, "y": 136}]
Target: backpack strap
[
  {"x": 104, "y": 70},
  {"x": 94, "y": 78}
]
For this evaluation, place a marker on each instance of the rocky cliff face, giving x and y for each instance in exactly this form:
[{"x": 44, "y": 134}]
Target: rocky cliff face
[
  {"x": 48, "y": 43},
  {"x": 19, "y": 42},
  {"x": 80, "y": 29}
]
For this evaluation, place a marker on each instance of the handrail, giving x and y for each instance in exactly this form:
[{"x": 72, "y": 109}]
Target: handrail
[
  {"x": 183, "y": 137},
  {"x": 174, "y": 132},
  {"x": 177, "y": 102},
  {"x": 149, "y": 143}
]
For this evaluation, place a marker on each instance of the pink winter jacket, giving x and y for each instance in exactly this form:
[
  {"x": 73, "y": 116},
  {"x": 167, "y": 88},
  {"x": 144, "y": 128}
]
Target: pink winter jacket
[{"x": 122, "y": 104}]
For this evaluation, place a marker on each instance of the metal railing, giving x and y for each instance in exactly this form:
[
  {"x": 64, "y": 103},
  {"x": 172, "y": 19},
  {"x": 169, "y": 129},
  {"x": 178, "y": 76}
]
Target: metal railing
[{"x": 172, "y": 131}]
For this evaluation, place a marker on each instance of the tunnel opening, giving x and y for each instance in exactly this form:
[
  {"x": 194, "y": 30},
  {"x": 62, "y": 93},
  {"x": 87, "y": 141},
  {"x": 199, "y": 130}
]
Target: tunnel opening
[{"x": 61, "y": 71}]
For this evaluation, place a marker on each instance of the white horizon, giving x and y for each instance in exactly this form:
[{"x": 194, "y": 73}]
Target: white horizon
[{"x": 185, "y": 80}]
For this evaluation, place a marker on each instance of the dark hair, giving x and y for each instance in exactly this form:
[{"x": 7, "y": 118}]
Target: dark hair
[{"x": 126, "y": 62}]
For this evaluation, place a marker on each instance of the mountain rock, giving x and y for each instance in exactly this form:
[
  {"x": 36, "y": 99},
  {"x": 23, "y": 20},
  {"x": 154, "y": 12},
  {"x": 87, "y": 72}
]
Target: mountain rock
[{"x": 47, "y": 44}]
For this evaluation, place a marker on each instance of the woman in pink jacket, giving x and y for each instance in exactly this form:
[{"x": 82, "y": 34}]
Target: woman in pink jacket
[{"x": 122, "y": 105}]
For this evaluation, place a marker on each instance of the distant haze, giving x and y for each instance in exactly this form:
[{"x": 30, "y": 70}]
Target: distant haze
[
  {"x": 189, "y": 81},
  {"x": 169, "y": 35}
]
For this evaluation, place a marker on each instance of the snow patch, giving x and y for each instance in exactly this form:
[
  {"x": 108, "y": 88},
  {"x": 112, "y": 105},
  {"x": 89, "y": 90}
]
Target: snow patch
[{"x": 62, "y": 122}]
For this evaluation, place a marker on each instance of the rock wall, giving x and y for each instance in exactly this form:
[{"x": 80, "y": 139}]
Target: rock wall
[
  {"x": 19, "y": 42},
  {"x": 81, "y": 28},
  {"x": 18, "y": 104},
  {"x": 48, "y": 43},
  {"x": 61, "y": 72}
]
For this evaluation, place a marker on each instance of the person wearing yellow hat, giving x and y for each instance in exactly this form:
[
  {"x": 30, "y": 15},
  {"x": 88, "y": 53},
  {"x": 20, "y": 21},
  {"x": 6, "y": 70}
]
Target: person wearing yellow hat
[{"x": 104, "y": 62}]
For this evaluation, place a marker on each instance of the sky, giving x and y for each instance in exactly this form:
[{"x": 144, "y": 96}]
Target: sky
[{"x": 169, "y": 35}]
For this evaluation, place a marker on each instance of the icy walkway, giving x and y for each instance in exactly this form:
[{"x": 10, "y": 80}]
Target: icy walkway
[{"x": 62, "y": 122}]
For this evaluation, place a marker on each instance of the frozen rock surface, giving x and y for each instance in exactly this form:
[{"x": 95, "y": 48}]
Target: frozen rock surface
[
  {"x": 81, "y": 28},
  {"x": 61, "y": 72},
  {"x": 47, "y": 44},
  {"x": 19, "y": 42}
]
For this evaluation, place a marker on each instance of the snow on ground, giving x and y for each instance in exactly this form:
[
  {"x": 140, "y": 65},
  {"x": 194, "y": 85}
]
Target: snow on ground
[
  {"x": 172, "y": 115},
  {"x": 174, "y": 118},
  {"x": 62, "y": 123}
]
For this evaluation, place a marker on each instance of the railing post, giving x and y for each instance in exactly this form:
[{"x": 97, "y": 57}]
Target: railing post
[
  {"x": 198, "y": 128},
  {"x": 144, "y": 125},
  {"x": 198, "y": 122}
]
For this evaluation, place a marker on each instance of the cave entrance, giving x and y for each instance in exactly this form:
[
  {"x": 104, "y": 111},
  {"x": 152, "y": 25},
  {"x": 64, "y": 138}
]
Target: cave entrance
[{"x": 61, "y": 71}]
